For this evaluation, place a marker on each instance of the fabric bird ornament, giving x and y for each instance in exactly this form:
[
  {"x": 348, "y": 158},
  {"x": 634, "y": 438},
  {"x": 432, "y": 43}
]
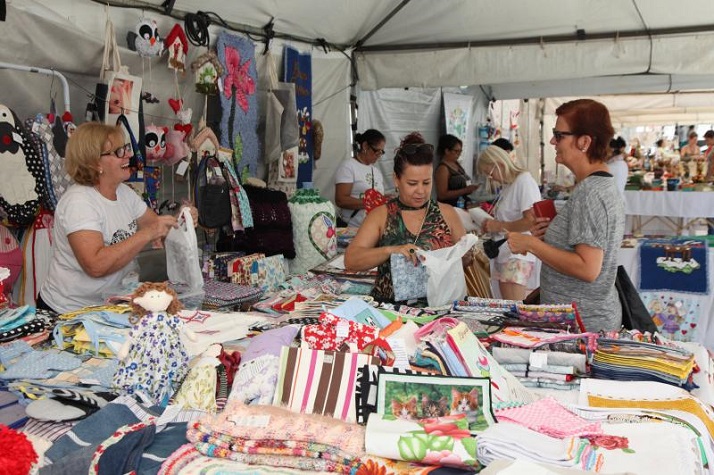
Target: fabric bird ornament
[
  {"x": 145, "y": 40},
  {"x": 155, "y": 140}
]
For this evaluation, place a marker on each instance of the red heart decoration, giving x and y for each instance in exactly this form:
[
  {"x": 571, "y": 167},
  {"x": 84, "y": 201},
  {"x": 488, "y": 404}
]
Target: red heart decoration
[
  {"x": 693, "y": 325},
  {"x": 187, "y": 128},
  {"x": 175, "y": 104},
  {"x": 684, "y": 332}
]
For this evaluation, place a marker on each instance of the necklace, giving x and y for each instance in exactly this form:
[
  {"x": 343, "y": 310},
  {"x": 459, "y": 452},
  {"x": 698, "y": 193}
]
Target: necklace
[
  {"x": 404, "y": 207},
  {"x": 421, "y": 226}
]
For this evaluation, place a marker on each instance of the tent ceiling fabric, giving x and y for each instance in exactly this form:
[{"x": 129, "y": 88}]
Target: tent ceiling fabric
[{"x": 512, "y": 41}]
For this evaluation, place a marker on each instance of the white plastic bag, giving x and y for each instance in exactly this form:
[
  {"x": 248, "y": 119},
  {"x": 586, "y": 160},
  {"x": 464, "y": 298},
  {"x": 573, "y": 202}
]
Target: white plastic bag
[
  {"x": 182, "y": 253},
  {"x": 446, "y": 281}
]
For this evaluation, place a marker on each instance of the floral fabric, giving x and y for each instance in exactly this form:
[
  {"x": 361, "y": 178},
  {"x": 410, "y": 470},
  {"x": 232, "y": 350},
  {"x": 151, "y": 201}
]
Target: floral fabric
[
  {"x": 332, "y": 332},
  {"x": 157, "y": 360},
  {"x": 434, "y": 234}
]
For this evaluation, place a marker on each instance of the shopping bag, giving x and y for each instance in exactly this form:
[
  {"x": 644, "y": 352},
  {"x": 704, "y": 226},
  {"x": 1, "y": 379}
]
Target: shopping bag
[
  {"x": 182, "y": 253},
  {"x": 445, "y": 272},
  {"x": 408, "y": 280},
  {"x": 372, "y": 199}
]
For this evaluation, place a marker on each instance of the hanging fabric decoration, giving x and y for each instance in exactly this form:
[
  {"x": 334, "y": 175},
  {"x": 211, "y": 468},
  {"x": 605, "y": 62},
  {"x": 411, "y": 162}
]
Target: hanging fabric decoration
[
  {"x": 314, "y": 225},
  {"x": 239, "y": 119},
  {"x": 207, "y": 69},
  {"x": 145, "y": 39},
  {"x": 177, "y": 45},
  {"x": 155, "y": 142},
  {"x": 281, "y": 130},
  {"x": 297, "y": 69},
  {"x": 59, "y": 179},
  {"x": 21, "y": 170}
]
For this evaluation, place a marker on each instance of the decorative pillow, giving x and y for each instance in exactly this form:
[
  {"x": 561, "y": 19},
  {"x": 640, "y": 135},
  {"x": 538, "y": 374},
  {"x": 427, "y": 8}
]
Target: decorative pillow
[
  {"x": 269, "y": 343},
  {"x": 409, "y": 281},
  {"x": 314, "y": 223}
]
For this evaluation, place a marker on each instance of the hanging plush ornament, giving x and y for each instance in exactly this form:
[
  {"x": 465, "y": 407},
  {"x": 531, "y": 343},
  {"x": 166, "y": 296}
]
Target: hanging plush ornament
[
  {"x": 155, "y": 140},
  {"x": 177, "y": 46},
  {"x": 207, "y": 69},
  {"x": 145, "y": 40}
]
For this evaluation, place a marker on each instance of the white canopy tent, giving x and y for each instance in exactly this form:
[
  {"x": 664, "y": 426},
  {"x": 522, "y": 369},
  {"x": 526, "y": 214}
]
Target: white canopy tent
[{"x": 490, "y": 50}]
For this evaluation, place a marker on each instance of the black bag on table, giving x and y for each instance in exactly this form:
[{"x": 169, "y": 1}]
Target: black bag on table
[{"x": 635, "y": 315}]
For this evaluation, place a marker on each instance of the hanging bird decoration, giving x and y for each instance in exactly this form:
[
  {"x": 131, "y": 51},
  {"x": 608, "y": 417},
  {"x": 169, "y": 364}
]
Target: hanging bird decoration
[{"x": 146, "y": 39}]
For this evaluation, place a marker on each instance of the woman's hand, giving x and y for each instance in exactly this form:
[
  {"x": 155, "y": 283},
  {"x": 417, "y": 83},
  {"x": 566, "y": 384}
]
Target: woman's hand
[
  {"x": 470, "y": 189},
  {"x": 194, "y": 213},
  {"x": 540, "y": 226},
  {"x": 161, "y": 226},
  {"x": 519, "y": 243},
  {"x": 408, "y": 251},
  {"x": 492, "y": 226}
]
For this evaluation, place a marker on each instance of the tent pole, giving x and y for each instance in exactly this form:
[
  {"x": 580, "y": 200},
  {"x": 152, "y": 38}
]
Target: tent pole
[{"x": 49, "y": 72}]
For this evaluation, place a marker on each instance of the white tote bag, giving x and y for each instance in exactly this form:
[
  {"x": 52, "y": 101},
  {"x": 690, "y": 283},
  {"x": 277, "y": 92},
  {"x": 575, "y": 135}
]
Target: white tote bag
[
  {"x": 182, "y": 253},
  {"x": 446, "y": 281}
]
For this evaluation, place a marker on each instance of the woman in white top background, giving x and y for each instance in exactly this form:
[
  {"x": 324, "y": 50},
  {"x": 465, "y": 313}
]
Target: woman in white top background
[
  {"x": 358, "y": 174},
  {"x": 512, "y": 212},
  {"x": 617, "y": 164}
]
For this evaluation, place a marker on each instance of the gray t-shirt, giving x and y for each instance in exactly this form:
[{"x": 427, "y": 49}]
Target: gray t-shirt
[{"x": 594, "y": 215}]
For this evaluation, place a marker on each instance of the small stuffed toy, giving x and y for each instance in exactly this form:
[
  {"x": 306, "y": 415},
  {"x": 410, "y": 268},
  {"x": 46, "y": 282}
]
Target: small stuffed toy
[
  {"x": 145, "y": 40},
  {"x": 176, "y": 147},
  {"x": 153, "y": 360},
  {"x": 155, "y": 139}
]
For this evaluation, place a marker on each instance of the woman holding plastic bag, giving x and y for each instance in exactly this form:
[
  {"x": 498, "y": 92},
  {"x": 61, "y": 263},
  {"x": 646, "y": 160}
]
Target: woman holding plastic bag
[
  {"x": 100, "y": 223},
  {"x": 405, "y": 224}
]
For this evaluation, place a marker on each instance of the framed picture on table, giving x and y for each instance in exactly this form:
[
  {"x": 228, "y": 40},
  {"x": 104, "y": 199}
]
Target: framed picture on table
[{"x": 416, "y": 396}]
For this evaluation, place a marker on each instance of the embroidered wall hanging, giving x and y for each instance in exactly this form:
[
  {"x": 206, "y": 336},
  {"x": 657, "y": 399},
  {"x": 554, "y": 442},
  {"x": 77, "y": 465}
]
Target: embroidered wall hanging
[
  {"x": 313, "y": 220},
  {"x": 297, "y": 69},
  {"x": 677, "y": 316},
  {"x": 239, "y": 118},
  {"x": 678, "y": 265}
]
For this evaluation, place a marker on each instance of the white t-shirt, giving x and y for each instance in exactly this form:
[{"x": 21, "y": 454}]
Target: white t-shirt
[
  {"x": 361, "y": 176},
  {"x": 619, "y": 169},
  {"x": 516, "y": 198},
  {"x": 82, "y": 208}
]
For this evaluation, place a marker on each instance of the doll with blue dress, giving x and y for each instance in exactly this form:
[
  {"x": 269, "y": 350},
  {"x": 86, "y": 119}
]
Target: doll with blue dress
[{"x": 153, "y": 360}]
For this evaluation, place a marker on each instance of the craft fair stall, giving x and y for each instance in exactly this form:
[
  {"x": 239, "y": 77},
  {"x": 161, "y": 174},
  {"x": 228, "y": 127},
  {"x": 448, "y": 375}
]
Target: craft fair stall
[{"x": 666, "y": 212}]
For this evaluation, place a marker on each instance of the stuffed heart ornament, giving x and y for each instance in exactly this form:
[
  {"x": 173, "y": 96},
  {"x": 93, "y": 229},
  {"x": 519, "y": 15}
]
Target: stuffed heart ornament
[
  {"x": 184, "y": 115},
  {"x": 185, "y": 128},
  {"x": 175, "y": 104}
]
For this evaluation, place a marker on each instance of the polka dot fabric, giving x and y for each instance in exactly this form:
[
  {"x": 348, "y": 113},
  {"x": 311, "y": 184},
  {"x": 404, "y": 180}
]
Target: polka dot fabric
[{"x": 11, "y": 129}]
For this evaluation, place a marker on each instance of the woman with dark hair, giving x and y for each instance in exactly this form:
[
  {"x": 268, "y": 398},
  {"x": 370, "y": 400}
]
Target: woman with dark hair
[
  {"x": 617, "y": 165},
  {"x": 579, "y": 247},
  {"x": 357, "y": 175},
  {"x": 406, "y": 223},
  {"x": 451, "y": 179}
]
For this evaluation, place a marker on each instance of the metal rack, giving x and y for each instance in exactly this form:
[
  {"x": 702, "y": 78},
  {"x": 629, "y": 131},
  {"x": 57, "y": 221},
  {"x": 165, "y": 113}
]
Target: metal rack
[{"x": 49, "y": 72}]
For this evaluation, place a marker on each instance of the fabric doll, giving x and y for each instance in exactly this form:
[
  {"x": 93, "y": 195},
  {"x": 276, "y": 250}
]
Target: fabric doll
[
  {"x": 153, "y": 360},
  {"x": 176, "y": 147}
]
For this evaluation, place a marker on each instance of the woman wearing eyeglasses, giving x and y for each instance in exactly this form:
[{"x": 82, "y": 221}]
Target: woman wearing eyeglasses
[
  {"x": 512, "y": 212},
  {"x": 100, "y": 223},
  {"x": 579, "y": 246},
  {"x": 452, "y": 181},
  {"x": 406, "y": 223},
  {"x": 358, "y": 174}
]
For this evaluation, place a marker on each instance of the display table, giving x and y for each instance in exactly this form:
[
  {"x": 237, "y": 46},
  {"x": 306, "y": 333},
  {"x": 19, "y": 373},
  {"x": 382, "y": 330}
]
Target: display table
[
  {"x": 674, "y": 209},
  {"x": 704, "y": 304}
]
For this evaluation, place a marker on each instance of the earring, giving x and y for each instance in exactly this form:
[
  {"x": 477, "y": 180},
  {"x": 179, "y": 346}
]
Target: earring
[
  {"x": 583, "y": 150},
  {"x": 101, "y": 172}
]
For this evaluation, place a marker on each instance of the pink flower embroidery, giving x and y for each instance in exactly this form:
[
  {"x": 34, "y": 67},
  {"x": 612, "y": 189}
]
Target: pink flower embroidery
[
  {"x": 237, "y": 75},
  {"x": 609, "y": 442}
]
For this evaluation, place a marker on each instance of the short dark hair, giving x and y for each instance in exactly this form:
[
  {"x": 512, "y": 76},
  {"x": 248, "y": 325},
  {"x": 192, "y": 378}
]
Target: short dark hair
[
  {"x": 505, "y": 144},
  {"x": 422, "y": 156},
  {"x": 709, "y": 134},
  {"x": 371, "y": 136},
  {"x": 447, "y": 142},
  {"x": 591, "y": 118}
]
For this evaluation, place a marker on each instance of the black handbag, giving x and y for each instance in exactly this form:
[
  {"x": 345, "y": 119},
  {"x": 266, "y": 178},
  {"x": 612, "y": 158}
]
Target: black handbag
[
  {"x": 635, "y": 315},
  {"x": 214, "y": 209}
]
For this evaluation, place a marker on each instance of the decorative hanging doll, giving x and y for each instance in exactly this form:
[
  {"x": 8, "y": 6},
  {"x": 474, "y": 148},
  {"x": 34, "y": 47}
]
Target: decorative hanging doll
[
  {"x": 177, "y": 46},
  {"x": 145, "y": 40},
  {"x": 155, "y": 139},
  {"x": 153, "y": 360}
]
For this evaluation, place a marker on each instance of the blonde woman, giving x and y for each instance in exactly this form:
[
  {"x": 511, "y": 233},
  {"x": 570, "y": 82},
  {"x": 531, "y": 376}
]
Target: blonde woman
[{"x": 513, "y": 213}]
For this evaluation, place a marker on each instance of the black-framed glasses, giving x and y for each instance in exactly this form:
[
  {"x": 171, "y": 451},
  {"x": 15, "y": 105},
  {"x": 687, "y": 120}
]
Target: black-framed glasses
[
  {"x": 457, "y": 150},
  {"x": 559, "y": 134},
  {"x": 120, "y": 152},
  {"x": 412, "y": 148},
  {"x": 377, "y": 151}
]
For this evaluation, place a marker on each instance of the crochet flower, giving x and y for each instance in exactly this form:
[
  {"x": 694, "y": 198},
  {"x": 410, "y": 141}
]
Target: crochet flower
[{"x": 237, "y": 75}]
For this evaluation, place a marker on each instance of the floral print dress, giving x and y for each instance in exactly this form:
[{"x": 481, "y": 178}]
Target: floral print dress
[
  {"x": 157, "y": 360},
  {"x": 434, "y": 234}
]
